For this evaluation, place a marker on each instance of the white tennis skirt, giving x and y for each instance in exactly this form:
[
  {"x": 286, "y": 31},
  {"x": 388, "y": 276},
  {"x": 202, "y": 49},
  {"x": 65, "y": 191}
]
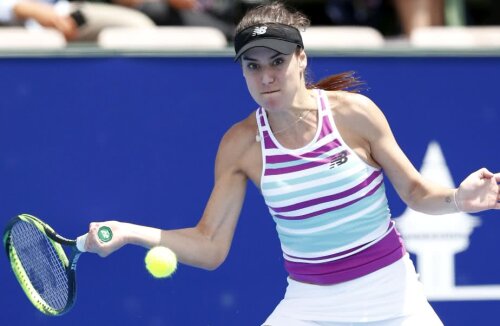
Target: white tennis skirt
[{"x": 391, "y": 296}]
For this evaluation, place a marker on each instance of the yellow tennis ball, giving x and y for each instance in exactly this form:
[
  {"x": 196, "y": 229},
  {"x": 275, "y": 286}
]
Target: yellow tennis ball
[{"x": 161, "y": 262}]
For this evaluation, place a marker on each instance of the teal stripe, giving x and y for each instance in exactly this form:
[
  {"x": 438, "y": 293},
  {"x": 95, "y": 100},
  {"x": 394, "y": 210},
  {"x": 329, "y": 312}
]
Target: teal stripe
[
  {"x": 269, "y": 185},
  {"x": 334, "y": 238},
  {"x": 339, "y": 214},
  {"x": 311, "y": 191}
]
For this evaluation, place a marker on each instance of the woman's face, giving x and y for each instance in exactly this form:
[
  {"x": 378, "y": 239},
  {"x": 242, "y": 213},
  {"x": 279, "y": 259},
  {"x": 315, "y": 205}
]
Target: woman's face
[{"x": 273, "y": 79}]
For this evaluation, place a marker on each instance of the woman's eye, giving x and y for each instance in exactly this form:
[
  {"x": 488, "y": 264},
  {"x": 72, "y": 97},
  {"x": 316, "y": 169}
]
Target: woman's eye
[
  {"x": 252, "y": 66},
  {"x": 278, "y": 61}
]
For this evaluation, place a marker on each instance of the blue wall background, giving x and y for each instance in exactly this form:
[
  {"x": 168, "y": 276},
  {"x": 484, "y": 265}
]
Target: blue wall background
[{"x": 134, "y": 138}]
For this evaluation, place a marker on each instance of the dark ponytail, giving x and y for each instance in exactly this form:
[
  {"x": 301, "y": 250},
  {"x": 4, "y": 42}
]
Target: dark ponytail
[{"x": 345, "y": 81}]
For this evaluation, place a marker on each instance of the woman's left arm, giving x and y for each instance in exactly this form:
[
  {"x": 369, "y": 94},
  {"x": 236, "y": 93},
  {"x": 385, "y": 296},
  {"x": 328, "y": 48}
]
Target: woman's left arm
[{"x": 479, "y": 191}]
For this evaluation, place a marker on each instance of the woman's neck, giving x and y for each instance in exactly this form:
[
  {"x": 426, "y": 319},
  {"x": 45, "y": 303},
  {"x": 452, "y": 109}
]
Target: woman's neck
[
  {"x": 302, "y": 102},
  {"x": 296, "y": 125}
]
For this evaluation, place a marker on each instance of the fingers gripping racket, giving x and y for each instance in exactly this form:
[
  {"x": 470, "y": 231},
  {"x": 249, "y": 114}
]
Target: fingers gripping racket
[{"x": 37, "y": 255}]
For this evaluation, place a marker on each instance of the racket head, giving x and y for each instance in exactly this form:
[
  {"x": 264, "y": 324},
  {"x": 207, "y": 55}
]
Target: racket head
[{"x": 40, "y": 264}]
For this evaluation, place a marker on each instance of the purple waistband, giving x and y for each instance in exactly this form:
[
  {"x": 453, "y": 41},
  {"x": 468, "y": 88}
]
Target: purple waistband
[{"x": 381, "y": 254}]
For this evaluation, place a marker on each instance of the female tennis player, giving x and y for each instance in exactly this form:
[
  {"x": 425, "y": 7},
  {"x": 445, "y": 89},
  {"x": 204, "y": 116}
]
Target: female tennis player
[{"x": 316, "y": 152}]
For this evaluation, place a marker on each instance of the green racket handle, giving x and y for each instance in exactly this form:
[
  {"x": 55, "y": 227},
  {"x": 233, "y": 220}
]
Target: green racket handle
[{"x": 104, "y": 234}]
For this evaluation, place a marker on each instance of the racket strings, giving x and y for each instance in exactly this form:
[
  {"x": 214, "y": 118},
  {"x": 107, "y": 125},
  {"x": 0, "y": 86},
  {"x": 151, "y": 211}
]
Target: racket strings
[{"x": 45, "y": 270}]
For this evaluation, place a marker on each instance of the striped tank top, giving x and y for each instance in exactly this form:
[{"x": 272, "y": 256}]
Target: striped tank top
[{"x": 330, "y": 207}]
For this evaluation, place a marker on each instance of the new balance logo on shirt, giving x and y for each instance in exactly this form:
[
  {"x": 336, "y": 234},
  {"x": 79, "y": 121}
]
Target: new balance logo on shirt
[{"x": 338, "y": 159}]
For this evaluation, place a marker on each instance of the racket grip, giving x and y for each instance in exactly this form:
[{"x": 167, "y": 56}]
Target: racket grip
[{"x": 80, "y": 242}]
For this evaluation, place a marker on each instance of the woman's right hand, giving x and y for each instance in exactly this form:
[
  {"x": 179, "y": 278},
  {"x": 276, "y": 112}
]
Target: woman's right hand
[{"x": 95, "y": 245}]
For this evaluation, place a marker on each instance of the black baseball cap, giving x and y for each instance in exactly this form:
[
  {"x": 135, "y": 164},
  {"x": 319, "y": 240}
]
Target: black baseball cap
[{"x": 278, "y": 37}]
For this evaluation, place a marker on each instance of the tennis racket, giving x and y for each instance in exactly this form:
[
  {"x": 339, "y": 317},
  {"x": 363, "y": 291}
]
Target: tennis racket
[{"x": 38, "y": 258}]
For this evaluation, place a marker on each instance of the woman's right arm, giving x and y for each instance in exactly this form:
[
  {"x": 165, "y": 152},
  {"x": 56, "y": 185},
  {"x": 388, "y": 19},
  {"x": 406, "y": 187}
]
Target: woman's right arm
[{"x": 207, "y": 244}]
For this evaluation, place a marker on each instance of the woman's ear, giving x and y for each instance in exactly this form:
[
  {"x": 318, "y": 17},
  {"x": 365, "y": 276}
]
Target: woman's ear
[{"x": 302, "y": 59}]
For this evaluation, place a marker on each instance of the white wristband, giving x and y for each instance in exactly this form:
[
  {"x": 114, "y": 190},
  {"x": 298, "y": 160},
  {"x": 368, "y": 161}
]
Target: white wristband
[{"x": 80, "y": 242}]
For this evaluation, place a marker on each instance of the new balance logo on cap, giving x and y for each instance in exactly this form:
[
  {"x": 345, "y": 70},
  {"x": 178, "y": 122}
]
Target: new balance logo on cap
[
  {"x": 259, "y": 30},
  {"x": 278, "y": 37}
]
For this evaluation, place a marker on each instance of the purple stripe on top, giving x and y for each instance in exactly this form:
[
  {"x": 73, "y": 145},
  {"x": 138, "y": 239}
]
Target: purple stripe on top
[
  {"x": 268, "y": 142},
  {"x": 327, "y": 126},
  {"x": 379, "y": 255},
  {"x": 281, "y": 158},
  {"x": 329, "y": 209},
  {"x": 326, "y": 129},
  {"x": 262, "y": 120},
  {"x": 322, "y": 100},
  {"x": 329, "y": 256},
  {"x": 339, "y": 195}
]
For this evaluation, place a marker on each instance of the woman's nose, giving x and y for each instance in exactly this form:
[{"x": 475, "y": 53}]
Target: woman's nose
[{"x": 267, "y": 77}]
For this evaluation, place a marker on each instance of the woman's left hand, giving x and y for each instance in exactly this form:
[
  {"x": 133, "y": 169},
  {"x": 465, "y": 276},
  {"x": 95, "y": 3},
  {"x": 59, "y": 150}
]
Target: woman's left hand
[{"x": 478, "y": 192}]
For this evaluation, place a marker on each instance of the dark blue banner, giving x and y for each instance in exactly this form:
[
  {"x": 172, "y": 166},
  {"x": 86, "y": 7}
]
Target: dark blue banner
[{"x": 134, "y": 139}]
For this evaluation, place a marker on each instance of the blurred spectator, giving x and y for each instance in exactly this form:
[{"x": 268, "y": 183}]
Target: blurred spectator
[
  {"x": 419, "y": 13},
  {"x": 214, "y": 13},
  {"x": 390, "y": 17},
  {"x": 76, "y": 21},
  {"x": 354, "y": 12},
  {"x": 482, "y": 12},
  {"x": 373, "y": 13}
]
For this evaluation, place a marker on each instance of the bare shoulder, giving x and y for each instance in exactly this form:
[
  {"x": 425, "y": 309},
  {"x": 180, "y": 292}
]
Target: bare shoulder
[
  {"x": 355, "y": 110},
  {"x": 360, "y": 122},
  {"x": 240, "y": 136},
  {"x": 351, "y": 104},
  {"x": 238, "y": 150}
]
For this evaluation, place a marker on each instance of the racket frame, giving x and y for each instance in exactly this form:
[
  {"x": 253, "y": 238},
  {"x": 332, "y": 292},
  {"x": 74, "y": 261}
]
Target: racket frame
[{"x": 69, "y": 263}]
